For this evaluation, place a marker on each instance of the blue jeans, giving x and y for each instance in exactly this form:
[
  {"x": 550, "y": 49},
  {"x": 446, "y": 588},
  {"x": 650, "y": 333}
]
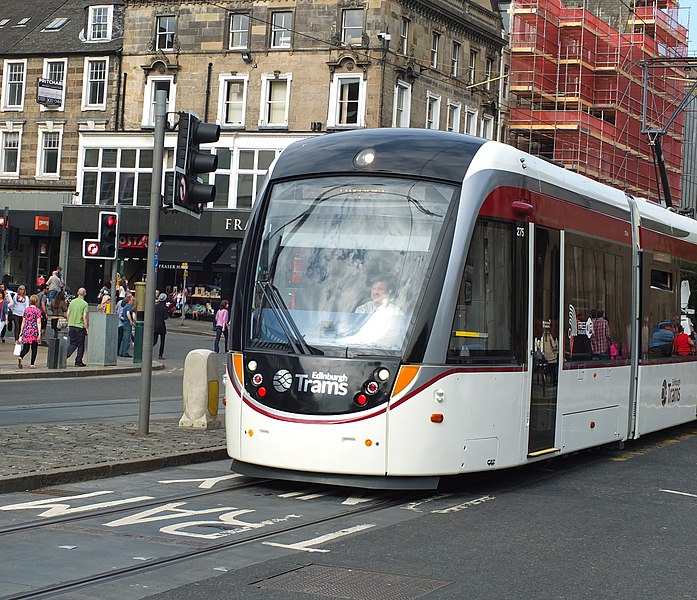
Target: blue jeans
[
  {"x": 218, "y": 332},
  {"x": 126, "y": 340}
]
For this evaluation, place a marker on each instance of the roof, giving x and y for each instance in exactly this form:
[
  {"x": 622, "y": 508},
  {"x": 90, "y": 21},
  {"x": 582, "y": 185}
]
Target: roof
[{"x": 22, "y": 37}]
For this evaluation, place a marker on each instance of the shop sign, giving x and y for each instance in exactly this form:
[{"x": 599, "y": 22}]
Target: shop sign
[
  {"x": 235, "y": 224},
  {"x": 42, "y": 223},
  {"x": 133, "y": 241}
]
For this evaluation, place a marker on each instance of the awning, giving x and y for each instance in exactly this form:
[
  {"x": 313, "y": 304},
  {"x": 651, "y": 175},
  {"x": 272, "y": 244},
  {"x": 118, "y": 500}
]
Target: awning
[
  {"x": 175, "y": 251},
  {"x": 228, "y": 259}
]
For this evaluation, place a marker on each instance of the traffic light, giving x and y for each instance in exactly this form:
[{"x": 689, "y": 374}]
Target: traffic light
[
  {"x": 106, "y": 245},
  {"x": 188, "y": 192},
  {"x": 12, "y": 238}
]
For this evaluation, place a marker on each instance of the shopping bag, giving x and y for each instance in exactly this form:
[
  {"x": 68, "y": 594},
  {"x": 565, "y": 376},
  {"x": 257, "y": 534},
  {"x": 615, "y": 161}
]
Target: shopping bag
[{"x": 18, "y": 349}]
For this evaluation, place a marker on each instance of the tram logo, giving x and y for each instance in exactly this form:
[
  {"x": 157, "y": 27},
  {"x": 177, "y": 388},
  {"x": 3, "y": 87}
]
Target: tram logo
[
  {"x": 282, "y": 381},
  {"x": 670, "y": 392},
  {"x": 320, "y": 382}
]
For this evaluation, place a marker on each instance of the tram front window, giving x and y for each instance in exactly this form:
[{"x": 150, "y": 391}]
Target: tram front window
[{"x": 328, "y": 245}]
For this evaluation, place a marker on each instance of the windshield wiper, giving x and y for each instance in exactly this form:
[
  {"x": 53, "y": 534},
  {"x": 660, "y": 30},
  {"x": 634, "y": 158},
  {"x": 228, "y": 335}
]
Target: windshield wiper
[{"x": 285, "y": 319}]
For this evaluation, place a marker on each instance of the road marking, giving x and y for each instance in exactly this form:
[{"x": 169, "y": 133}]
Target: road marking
[
  {"x": 206, "y": 483},
  {"x": 60, "y": 508},
  {"x": 416, "y": 506},
  {"x": 678, "y": 493},
  {"x": 464, "y": 505},
  {"x": 357, "y": 499},
  {"x": 302, "y": 495},
  {"x": 306, "y": 545},
  {"x": 652, "y": 447}
]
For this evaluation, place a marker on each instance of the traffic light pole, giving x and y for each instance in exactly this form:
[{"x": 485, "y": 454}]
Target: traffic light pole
[
  {"x": 115, "y": 264},
  {"x": 153, "y": 236}
]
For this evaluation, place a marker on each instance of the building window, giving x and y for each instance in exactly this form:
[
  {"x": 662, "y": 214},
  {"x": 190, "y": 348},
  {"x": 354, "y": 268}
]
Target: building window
[
  {"x": 166, "y": 28},
  {"x": 55, "y": 71},
  {"x": 432, "y": 111},
  {"x": 232, "y": 101},
  {"x": 49, "y": 152},
  {"x": 402, "y": 105},
  {"x": 347, "y": 101},
  {"x": 281, "y": 25},
  {"x": 95, "y": 84},
  {"x": 152, "y": 86},
  {"x": 352, "y": 27},
  {"x": 488, "y": 127},
  {"x": 489, "y": 73},
  {"x": 455, "y": 59},
  {"x": 453, "y": 123},
  {"x": 9, "y": 152},
  {"x": 472, "y": 73},
  {"x": 435, "y": 45},
  {"x": 240, "y": 175},
  {"x": 471, "y": 121},
  {"x": 239, "y": 31},
  {"x": 404, "y": 37},
  {"x": 122, "y": 174},
  {"x": 13, "y": 84},
  {"x": 275, "y": 99},
  {"x": 99, "y": 23}
]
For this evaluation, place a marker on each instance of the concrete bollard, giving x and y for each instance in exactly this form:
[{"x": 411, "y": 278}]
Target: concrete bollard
[{"x": 201, "y": 390}]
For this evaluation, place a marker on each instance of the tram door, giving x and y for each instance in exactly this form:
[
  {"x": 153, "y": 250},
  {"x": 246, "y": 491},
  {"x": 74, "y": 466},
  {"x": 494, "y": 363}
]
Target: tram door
[{"x": 545, "y": 341}]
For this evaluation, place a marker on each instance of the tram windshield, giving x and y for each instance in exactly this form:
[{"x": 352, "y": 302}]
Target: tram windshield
[{"x": 342, "y": 263}]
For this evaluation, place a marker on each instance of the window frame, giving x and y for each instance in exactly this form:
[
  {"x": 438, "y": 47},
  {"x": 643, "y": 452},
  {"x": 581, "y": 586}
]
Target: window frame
[
  {"x": 432, "y": 116},
  {"x": 6, "y": 84},
  {"x": 488, "y": 73},
  {"x": 4, "y": 132},
  {"x": 44, "y": 130},
  {"x": 86, "y": 83},
  {"x": 344, "y": 27},
  {"x": 232, "y": 32},
  {"x": 45, "y": 72},
  {"x": 108, "y": 26},
  {"x": 277, "y": 30},
  {"x": 405, "y": 119},
  {"x": 335, "y": 101},
  {"x": 487, "y": 127},
  {"x": 454, "y": 113},
  {"x": 404, "y": 29},
  {"x": 472, "y": 67},
  {"x": 267, "y": 81},
  {"x": 148, "y": 119},
  {"x": 165, "y": 34},
  {"x": 455, "y": 58},
  {"x": 471, "y": 123},
  {"x": 223, "y": 82}
]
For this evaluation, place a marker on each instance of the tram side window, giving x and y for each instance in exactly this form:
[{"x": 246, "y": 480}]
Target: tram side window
[
  {"x": 491, "y": 303},
  {"x": 597, "y": 277}
]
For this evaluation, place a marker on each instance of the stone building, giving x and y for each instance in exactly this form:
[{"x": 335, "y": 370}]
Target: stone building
[
  {"x": 59, "y": 66},
  {"x": 271, "y": 73}
]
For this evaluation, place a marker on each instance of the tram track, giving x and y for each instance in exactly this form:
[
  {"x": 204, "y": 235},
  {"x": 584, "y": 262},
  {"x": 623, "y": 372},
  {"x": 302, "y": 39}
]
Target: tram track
[{"x": 121, "y": 573}]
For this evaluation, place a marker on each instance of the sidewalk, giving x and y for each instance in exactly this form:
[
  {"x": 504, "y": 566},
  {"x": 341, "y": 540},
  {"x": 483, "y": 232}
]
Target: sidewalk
[{"x": 35, "y": 456}]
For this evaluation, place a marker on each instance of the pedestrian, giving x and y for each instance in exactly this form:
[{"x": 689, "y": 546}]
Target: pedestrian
[
  {"x": 160, "y": 328},
  {"x": 5, "y": 302},
  {"x": 57, "y": 309},
  {"x": 43, "y": 307},
  {"x": 105, "y": 291},
  {"x": 119, "y": 314},
  {"x": 55, "y": 283},
  {"x": 105, "y": 304},
  {"x": 222, "y": 317},
  {"x": 78, "y": 326},
  {"x": 129, "y": 322},
  {"x": 30, "y": 331},
  {"x": 20, "y": 303}
]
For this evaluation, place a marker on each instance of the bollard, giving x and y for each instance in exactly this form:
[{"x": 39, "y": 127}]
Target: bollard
[
  {"x": 138, "y": 343},
  {"x": 57, "y": 351},
  {"x": 201, "y": 390}
]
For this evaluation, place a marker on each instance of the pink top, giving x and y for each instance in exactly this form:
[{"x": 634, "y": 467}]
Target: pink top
[
  {"x": 221, "y": 317},
  {"x": 30, "y": 332}
]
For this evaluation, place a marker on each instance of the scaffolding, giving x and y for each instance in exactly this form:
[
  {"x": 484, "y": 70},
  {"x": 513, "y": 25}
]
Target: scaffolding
[{"x": 579, "y": 94}]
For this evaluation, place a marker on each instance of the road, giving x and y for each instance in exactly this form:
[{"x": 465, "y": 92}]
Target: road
[{"x": 113, "y": 397}]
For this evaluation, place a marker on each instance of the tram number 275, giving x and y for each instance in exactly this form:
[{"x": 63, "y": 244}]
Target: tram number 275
[{"x": 520, "y": 231}]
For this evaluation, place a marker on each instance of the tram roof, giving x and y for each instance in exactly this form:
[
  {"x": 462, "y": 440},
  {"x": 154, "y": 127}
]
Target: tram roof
[{"x": 398, "y": 151}]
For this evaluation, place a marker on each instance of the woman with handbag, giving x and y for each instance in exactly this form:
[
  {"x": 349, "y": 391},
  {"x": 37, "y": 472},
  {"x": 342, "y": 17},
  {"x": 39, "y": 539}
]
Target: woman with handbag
[
  {"x": 58, "y": 308},
  {"x": 30, "y": 331},
  {"x": 19, "y": 304}
]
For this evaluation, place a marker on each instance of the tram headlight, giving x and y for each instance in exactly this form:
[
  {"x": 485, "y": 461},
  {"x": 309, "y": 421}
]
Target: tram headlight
[
  {"x": 364, "y": 158},
  {"x": 382, "y": 374},
  {"x": 252, "y": 366},
  {"x": 372, "y": 388}
]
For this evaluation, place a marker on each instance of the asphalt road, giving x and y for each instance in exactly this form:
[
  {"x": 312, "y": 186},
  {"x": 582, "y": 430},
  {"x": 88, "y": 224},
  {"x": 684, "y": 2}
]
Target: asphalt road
[{"x": 114, "y": 397}]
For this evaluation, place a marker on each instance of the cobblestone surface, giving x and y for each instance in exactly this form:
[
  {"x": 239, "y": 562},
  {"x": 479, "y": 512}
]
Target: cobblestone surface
[{"x": 36, "y": 455}]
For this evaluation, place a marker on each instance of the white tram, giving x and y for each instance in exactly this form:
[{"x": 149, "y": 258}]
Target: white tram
[{"x": 412, "y": 304}]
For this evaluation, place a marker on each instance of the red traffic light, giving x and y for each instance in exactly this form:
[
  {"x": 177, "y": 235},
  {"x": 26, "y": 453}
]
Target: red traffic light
[{"x": 110, "y": 221}]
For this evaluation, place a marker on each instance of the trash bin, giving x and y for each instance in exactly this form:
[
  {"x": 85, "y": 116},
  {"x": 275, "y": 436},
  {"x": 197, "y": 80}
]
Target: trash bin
[{"x": 57, "y": 351}]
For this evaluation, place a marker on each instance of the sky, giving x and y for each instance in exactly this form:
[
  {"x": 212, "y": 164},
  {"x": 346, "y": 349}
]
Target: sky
[{"x": 692, "y": 5}]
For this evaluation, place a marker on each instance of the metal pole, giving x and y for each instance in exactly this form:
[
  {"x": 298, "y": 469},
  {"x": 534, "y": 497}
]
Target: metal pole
[
  {"x": 115, "y": 263},
  {"x": 153, "y": 235},
  {"x": 3, "y": 238}
]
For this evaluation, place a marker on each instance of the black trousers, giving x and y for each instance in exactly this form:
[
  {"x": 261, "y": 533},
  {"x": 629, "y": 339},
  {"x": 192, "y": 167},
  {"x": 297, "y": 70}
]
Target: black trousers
[
  {"x": 77, "y": 342},
  {"x": 161, "y": 335}
]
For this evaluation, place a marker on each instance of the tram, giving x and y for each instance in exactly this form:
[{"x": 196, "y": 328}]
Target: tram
[{"x": 413, "y": 304}]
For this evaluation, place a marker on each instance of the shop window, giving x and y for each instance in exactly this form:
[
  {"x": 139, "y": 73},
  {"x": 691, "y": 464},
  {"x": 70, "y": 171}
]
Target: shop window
[
  {"x": 597, "y": 286},
  {"x": 487, "y": 326}
]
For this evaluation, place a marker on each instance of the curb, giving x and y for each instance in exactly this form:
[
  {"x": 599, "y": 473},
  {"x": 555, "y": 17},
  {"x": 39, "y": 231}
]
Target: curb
[
  {"x": 35, "y": 481},
  {"x": 65, "y": 373}
]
